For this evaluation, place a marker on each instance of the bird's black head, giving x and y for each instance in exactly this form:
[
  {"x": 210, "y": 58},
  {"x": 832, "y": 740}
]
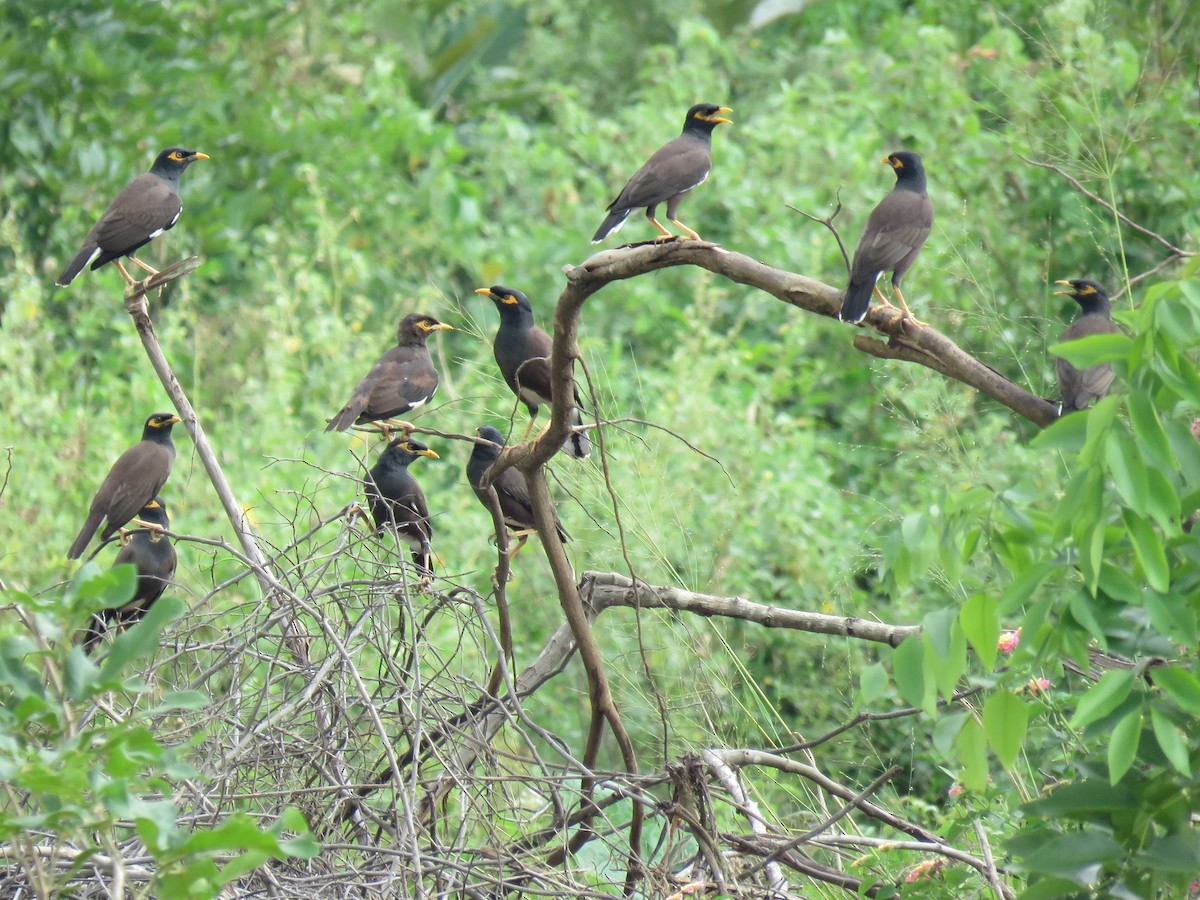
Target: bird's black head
[
  {"x": 155, "y": 512},
  {"x": 488, "y": 433},
  {"x": 408, "y": 449},
  {"x": 1090, "y": 295},
  {"x": 705, "y": 117},
  {"x": 908, "y": 166},
  {"x": 511, "y": 303},
  {"x": 174, "y": 160},
  {"x": 159, "y": 425},
  {"x": 417, "y": 327}
]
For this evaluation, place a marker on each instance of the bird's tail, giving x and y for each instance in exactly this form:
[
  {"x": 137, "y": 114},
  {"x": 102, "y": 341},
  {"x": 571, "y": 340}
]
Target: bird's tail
[
  {"x": 857, "y": 301},
  {"x": 85, "y": 535},
  {"x": 611, "y": 225},
  {"x": 578, "y": 444},
  {"x": 75, "y": 266},
  {"x": 343, "y": 419}
]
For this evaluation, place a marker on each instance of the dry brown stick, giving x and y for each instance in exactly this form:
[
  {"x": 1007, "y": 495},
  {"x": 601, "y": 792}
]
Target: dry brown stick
[{"x": 611, "y": 589}]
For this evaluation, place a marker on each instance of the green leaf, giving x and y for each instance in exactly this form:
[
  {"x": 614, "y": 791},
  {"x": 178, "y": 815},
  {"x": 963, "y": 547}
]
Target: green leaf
[
  {"x": 1182, "y": 685},
  {"x": 142, "y": 639},
  {"x": 1172, "y": 615},
  {"x": 980, "y": 620},
  {"x": 972, "y": 753},
  {"x": 1149, "y": 551},
  {"x": 872, "y": 684},
  {"x": 1171, "y": 740},
  {"x": 1078, "y": 856},
  {"x": 1147, "y": 427},
  {"x": 1127, "y": 470},
  {"x": 1024, "y": 585},
  {"x": 1081, "y": 611},
  {"x": 947, "y": 669},
  {"x": 939, "y": 631},
  {"x": 1122, "y": 747},
  {"x": 908, "y": 668},
  {"x": 1103, "y": 697},
  {"x": 1005, "y": 720},
  {"x": 1172, "y": 853},
  {"x": 1089, "y": 351},
  {"x": 1066, "y": 433},
  {"x": 1162, "y": 500},
  {"x": 1080, "y": 799}
]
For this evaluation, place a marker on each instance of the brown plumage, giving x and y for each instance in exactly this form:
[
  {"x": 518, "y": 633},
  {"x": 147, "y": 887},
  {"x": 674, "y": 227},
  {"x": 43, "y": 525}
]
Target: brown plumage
[
  {"x": 675, "y": 168},
  {"x": 515, "y": 502},
  {"x": 133, "y": 481},
  {"x": 1080, "y": 388},
  {"x": 401, "y": 380},
  {"x": 522, "y": 352},
  {"x": 148, "y": 206},
  {"x": 895, "y": 233}
]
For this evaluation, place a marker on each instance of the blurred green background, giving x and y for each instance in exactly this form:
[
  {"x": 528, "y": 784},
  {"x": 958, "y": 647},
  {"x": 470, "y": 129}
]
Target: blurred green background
[{"x": 373, "y": 159}]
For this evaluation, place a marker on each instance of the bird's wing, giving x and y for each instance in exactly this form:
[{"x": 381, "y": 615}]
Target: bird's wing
[
  {"x": 677, "y": 166},
  {"x": 145, "y": 207},
  {"x": 897, "y": 226}
]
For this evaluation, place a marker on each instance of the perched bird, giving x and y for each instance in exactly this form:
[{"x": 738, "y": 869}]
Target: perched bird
[
  {"x": 1081, "y": 388},
  {"x": 147, "y": 207},
  {"x": 133, "y": 481},
  {"x": 400, "y": 381},
  {"x": 154, "y": 555},
  {"x": 523, "y": 355},
  {"x": 896, "y": 230},
  {"x": 675, "y": 168},
  {"x": 397, "y": 500},
  {"x": 510, "y": 487}
]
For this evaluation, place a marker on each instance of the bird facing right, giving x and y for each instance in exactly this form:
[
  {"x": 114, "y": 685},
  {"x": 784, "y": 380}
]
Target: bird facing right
[
  {"x": 397, "y": 501},
  {"x": 515, "y": 502},
  {"x": 401, "y": 380},
  {"x": 679, "y": 165},
  {"x": 133, "y": 481},
  {"x": 1080, "y": 388},
  {"x": 148, "y": 206},
  {"x": 895, "y": 233},
  {"x": 154, "y": 556}
]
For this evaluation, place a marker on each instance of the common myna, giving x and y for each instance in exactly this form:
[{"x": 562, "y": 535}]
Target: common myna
[
  {"x": 675, "y": 168},
  {"x": 402, "y": 380},
  {"x": 1081, "y": 388},
  {"x": 523, "y": 355},
  {"x": 397, "y": 501},
  {"x": 154, "y": 555},
  {"x": 896, "y": 230},
  {"x": 510, "y": 487},
  {"x": 133, "y": 481},
  {"x": 147, "y": 207}
]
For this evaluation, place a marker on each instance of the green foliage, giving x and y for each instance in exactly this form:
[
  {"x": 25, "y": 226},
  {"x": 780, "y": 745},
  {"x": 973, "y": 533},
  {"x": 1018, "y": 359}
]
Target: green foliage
[{"x": 92, "y": 778}]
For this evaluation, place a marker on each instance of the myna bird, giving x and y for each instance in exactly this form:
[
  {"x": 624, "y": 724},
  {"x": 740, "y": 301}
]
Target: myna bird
[
  {"x": 895, "y": 233},
  {"x": 515, "y": 502},
  {"x": 133, "y": 481},
  {"x": 397, "y": 501},
  {"x": 402, "y": 380},
  {"x": 147, "y": 207},
  {"x": 675, "y": 168},
  {"x": 154, "y": 555},
  {"x": 1081, "y": 388},
  {"x": 523, "y": 355}
]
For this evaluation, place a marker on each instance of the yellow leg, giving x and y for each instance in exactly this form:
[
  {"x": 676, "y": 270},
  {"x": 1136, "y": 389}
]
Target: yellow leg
[
  {"x": 129, "y": 279},
  {"x": 528, "y": 429},
  {"x": 882, "y": 299},
  {"x": 691, "y": 234},
  {"x": 907, "y": 312},
  {"x": 522, "y": 537},
  {"x": 138, "y": 262},
  {"x": 663, "y": 234}
]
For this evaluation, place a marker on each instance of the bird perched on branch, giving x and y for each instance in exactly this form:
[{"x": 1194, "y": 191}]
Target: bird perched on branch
[
  {"x": 401, "y": 380},
  {"x": 154, "y": 555},
  {"x": 523, "y": 354},
  {"x": 133, "y": 481},
  {"x": 515, "y": 502},
  {"x": 675, "y": 168},
  {"x": 1080, "y": 388},
  {"x": 397, "y": 501},
  {"x": 895, "y": 233},
  {"x": 148, "y": 206}
]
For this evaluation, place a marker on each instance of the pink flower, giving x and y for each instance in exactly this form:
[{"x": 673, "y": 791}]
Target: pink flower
[
  {"x": 1038, "y": 685},
  {"x": 955, "y": 790},
  {"x": 1008, "y": 641},
  {"x": 923, "y": 870}
]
